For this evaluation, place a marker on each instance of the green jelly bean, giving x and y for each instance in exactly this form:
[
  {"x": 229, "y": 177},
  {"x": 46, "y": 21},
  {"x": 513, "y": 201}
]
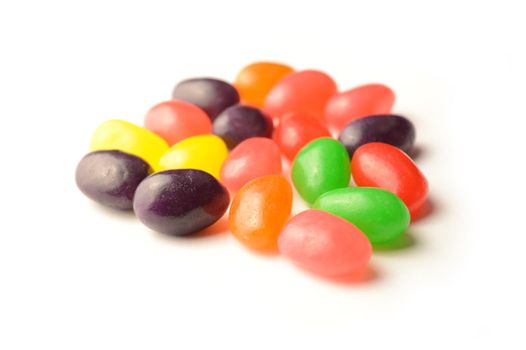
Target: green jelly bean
[
  {"x": 378, "y": 213},
  {"x": 321, "y": 166}
]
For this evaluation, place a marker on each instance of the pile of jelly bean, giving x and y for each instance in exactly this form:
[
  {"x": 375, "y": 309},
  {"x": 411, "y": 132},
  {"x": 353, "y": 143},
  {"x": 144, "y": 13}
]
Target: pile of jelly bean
[{"x": 214, "y": 140}]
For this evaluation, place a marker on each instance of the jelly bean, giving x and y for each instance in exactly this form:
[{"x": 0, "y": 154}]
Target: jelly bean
[
  {"x": 177, "y": 120},
  {"x": 111, "y": 177},
  {"x": 180, "y": 202},
  {"x": 381, "y": 165},
  {"x": 254, "y": 157},
  {"x": 392, "y": 129},
  {"x": 321, "y": 166},
  {"x": 211, "y": 95},
  {"x": 304, "y": 92},
  {"x": 296, "y": 130},
  {"x": 127, "y": 137},
  {"x": 357, "y": 103},
  {"x": 238, "y": 123},
  {"x": 378, "y": 213},
  {"x": 259, "y": 211},
  {"x": 256, "y": 80},
  {"x": 203, "y": 152},
  {"x": 324, "y": 243}
]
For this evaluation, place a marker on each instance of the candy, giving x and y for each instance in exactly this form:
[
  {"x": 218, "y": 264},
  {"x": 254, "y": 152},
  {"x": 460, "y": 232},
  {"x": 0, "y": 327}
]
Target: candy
[
  {"x": 357, "y": 103},
  {"x": 211, "y": 95},
  {"x": 321, "y": 166},
  {"x": 324, "y": 243},
  {"x": 127, "y": 137},
  {"x": 238, "y": 123},
  {"x": 296, "y": 130},
  {"x": 203, "y": 152},
  {"x": 378, "y": 213},
  {"x": 392, "y": 129},
  {"x": 254, "y": 157},
  {"x": 256, "y": 80},
  {"x": 304, "y": 92},
  {"x": 180, "y": 202},
  {"x": 381, "y": 165},
  {"x": 259, "y": 211},
  {"x": 111, "y": 177},
  {"x": 177, "y": 120}
]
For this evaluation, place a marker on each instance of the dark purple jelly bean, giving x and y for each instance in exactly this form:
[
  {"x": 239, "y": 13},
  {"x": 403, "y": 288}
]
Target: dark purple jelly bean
[
  {"x": 391, "y": 129},
  {"x": 239, "y": 123},
  {"x": 180, "y": 202},
  {"x": 111, "y": 177},
  {"x": 211, "y": 95}
]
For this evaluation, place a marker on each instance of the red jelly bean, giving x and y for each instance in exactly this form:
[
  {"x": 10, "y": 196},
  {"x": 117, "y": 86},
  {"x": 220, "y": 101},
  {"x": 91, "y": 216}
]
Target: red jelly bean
[
  {"x": 177, "y": 120},
  {"x": 324, "y": 243},
  {"x": 357, "y": 103},
  {"x": 254, "y": 157},
  {"x": 305, "y": 92},
  {"x": 296, "y": 130},
  {"x": 381, "y": 165}
]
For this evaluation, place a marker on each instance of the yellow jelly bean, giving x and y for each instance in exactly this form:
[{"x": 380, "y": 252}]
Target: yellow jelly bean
[
  {"x": 121, "y": 135},
  {"x": 203, "y": 152}
]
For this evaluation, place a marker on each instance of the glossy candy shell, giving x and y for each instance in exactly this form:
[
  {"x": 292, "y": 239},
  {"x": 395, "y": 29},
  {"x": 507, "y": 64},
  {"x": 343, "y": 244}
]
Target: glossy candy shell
[
  {"x": 111, "y": 177},
  {"x": 180, "y": 202},
  {"x": 211, "y": 95},
  {"x": 259, "y": 211},
  {"x": 392, "y": 129},
  {"x": 378, "y": 213},
  {"x": 252, "y": 158},
  {"x": 324, "y": 243},
  {"x": 177, "y": 120},
  {"x": 385, "y": 166},
  {"x": 238, "y": 123}
]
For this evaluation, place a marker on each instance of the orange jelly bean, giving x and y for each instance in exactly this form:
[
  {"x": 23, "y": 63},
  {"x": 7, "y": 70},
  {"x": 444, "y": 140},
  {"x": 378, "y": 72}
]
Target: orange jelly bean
[
  {"x": 177, "y": 120},
  {"x": 259, "y": 211},
  {"x": 357, "y": 103},
  {"x": 304, "y": 92},
  {"x": 381, "y": 165},
  {"x": 256, "y": 80},
  {"x": 296, "y": 130}
]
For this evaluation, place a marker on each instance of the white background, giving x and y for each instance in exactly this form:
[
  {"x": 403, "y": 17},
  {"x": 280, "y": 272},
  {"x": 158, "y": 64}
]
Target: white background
[{"x": 75, "y": 276}]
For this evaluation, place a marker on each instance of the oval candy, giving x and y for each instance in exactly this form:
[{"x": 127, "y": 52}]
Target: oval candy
[
  {"x": 238, "y": 123},
  {"x": 110, "y": 178},
  {"x": 177, "y": 120},
  {"x": 255, "y": 81},
  {"x": 296, "y": 130},
  {"x": 211, "y": 95},
  {"x": 357, "y": 103},
  {"x": 203, "y": 152},
  {"x": 387, "y": 128},
  {"x": 259, "y": 211},
  {"x": 304, "y": 92},
  {"x": 321, "y": 166},
  {"x": 324, "y": 243},
  {"x": 252, "y": 158},
  {"x": 381, "y": 165},
  {"x": 378, "y": 213},
  {"x": 124, "y": 136},
  {"x": 180, "y": 202}
]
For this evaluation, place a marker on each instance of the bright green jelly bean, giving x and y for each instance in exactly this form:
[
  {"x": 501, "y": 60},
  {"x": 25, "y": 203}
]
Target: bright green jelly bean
[
  {"x": 378, "y": 213},
  {"x": 321, "y": 166}
]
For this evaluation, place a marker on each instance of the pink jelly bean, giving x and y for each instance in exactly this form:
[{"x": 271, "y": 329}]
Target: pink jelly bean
[
  {"x": 324, "y": 243},
  {"x": 254, "y": 157}
]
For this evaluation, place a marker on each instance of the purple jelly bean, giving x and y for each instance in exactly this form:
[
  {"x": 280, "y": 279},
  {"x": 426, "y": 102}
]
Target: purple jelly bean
[
  {"x": 180, "y": 202},
  {"x": 211, "y": 95},
  {"x": 239, "y": 123},
  {"x": 111, "y": 177},
  {"x": 391, "y": 129}
]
